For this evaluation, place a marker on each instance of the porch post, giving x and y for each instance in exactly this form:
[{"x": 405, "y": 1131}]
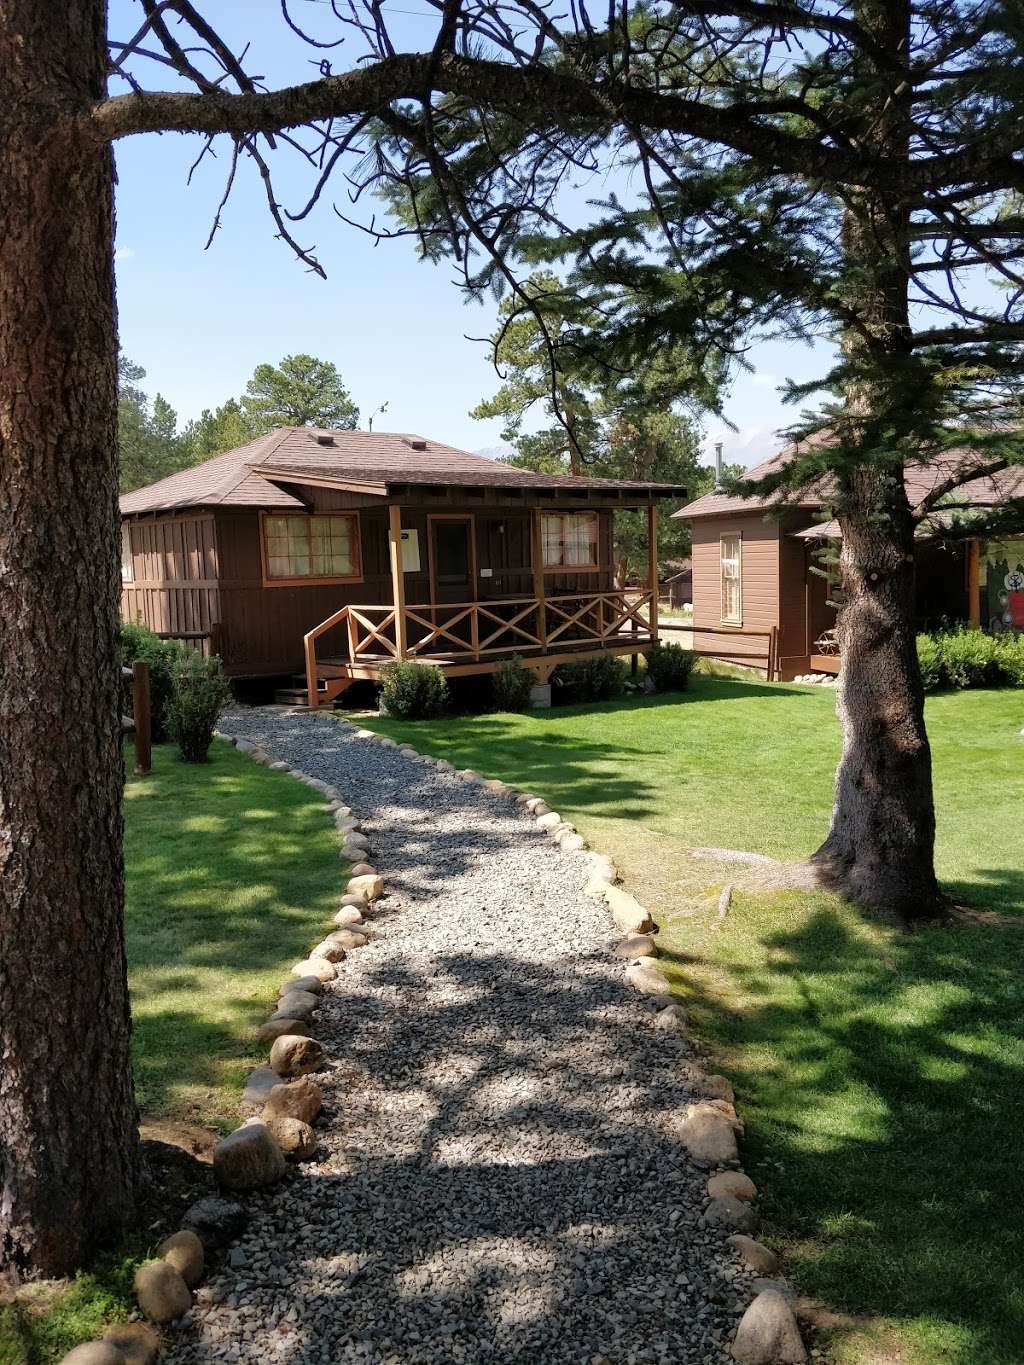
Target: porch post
[
  {"x": 397, "y": 575},
  {"x": 652, "y": 564},
  {"x": 537, "y": 555},
  {"x": 974, "y": 584}
]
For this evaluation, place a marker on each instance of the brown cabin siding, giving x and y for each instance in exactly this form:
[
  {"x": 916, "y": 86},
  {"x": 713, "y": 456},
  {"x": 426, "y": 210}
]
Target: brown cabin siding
[
  {"x": 759, "y": 580},
  {"x": 199, "y": 571},
  {"x": 175, "y": 586}
]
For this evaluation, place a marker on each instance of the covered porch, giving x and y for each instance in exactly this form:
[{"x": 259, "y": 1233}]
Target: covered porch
[{"x": 464, "y": 623}]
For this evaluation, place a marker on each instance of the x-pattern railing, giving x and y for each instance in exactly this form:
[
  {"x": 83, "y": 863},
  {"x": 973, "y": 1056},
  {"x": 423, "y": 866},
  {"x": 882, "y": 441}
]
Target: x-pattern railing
[{"x": 463, "y": 631}]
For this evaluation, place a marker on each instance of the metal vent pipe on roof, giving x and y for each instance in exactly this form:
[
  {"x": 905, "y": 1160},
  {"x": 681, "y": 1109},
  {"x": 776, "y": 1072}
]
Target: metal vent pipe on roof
[{"x": 718, "y": 464}]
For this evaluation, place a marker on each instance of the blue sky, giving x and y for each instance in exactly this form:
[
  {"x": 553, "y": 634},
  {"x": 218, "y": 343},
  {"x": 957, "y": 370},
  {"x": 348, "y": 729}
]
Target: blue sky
[{"x": 398, "y": 329}]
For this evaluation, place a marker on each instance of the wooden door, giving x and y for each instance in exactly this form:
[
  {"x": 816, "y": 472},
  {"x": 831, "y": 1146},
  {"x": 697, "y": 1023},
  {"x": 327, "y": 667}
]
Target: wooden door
[{"x": 452, "y": 559}]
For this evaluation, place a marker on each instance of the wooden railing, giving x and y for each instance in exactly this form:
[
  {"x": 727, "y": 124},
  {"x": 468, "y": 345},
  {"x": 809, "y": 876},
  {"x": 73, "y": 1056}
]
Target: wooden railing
[
  {"x": 451, "y": 632},
  {"x": 766, "y": 658}
]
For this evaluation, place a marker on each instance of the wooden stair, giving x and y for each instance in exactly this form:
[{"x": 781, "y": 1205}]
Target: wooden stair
[{"x": 330, "y": 686}]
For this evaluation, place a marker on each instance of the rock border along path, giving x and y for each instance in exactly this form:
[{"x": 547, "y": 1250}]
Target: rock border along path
[{"x": 515, "y": 1147}]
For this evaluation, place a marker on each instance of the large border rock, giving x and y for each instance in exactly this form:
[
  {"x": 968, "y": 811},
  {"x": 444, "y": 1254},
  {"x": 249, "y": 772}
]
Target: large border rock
[
  {"x": 248, "y": 1158},
  {"x": 768, "y": 1333}
]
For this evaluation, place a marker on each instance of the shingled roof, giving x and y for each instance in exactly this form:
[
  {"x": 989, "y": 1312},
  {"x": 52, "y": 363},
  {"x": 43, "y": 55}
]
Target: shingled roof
[
  {"x": 257, "y": 474},
  {"x": 921, "y": 479}
]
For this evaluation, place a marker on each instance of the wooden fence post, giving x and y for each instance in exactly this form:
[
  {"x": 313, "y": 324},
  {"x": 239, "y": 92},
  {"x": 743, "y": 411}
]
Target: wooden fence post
[{"x": 142, "y": 718}]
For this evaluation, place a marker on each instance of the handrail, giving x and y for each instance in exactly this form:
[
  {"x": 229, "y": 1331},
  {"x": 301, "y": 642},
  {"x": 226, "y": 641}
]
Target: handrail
[
  {"x": 598, "y": 616},
  {"x": 309, "y": 648}
]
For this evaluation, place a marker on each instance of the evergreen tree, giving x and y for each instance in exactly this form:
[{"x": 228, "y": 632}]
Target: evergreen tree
[
  {"x": 300, "y": 392},
  {"x": 147, "y": 441},
  {"x": 599, "y": 421}
]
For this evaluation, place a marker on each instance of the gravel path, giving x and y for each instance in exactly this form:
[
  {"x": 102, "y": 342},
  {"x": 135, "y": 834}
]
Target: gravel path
[{"x": 498, "y": 1178}]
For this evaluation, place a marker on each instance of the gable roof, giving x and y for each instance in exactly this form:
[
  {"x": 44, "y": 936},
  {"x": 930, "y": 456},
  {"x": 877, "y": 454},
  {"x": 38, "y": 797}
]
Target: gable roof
[
  {"x": 920, "y": 480},
  {"x": 258, "y": 474}
]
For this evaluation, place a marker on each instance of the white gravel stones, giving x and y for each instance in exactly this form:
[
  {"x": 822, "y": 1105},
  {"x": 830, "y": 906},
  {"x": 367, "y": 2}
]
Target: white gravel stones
[{"x": 499, "y": 1175}]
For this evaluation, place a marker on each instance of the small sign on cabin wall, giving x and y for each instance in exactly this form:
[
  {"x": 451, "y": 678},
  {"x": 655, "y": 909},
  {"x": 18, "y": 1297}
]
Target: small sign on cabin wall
[{"x": 410, "y": 551}]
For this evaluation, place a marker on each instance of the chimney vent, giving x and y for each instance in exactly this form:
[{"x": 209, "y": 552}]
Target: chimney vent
[
  {"x": 324, "y": 440},
  {"x": 416, "y": 443},
  {"x": 718, "y": 464}
]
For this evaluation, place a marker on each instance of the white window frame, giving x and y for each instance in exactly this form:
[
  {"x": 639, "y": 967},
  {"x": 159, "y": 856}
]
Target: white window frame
[
  {"x": 560, "y": 565},
  {"x": 127, "y": 561},
  {"x": 731, "y": 618}
]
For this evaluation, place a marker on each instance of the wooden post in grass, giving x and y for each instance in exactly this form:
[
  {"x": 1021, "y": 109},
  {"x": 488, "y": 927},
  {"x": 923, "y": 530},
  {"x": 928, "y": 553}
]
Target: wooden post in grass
[
  {"x": 652, "y": 564},
  {"x": 142, "y": 717}
]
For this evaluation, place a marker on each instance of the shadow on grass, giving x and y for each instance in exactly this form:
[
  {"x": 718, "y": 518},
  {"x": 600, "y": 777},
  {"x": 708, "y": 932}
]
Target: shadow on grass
[
  {"x": 884, "y": 1073},
  {"x": 232, "y": 872}
]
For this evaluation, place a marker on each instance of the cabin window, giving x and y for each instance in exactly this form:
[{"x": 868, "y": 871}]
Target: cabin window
[
  {"x": 569, "y": 540},
  {"x": 312, "y": 547},
  {"x": 127, "y": 565},
  {"x": 732, "y": 584}
]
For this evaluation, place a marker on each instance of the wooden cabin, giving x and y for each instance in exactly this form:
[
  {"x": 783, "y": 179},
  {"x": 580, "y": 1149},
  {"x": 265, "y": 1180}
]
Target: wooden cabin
[
  {"x": 766, "y": 593},
  {"x": 332, "y": 553}
]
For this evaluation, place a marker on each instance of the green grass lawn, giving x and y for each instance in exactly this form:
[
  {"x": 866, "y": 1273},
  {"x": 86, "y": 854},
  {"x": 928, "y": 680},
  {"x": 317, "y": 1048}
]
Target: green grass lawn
[
  {"x": 232, "y": 873},
  {"x": 880, "y": 1074}
]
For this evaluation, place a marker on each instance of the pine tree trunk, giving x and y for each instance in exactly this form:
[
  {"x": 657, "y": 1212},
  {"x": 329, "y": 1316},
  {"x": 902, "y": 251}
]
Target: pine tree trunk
[
  {"x": 68, "y": 1140},
  {"x": 880, "y": 848}
]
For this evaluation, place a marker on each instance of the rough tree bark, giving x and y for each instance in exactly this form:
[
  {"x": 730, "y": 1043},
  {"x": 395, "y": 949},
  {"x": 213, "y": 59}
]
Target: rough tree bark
[
  {"x": 880, "y": 847},
  {"x": 68, "y": 1140}
]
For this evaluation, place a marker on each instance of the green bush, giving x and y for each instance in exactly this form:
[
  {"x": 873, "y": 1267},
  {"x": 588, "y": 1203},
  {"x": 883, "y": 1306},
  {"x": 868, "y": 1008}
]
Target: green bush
[
  {"x": 512, "y": 685},
  {"x": 930, "y": 661},
  {"x": 596, "y": 679},
  {"x": 199, "y": 692},
  {"x": 967, "y": 658},
  {"x": 970, "y": 658},
  {"x": 139, "y": 642},
  {"x": 669, "y": 667},
  {"x": 413, "y": 691},
  {"x": 1008, "y": 658}
]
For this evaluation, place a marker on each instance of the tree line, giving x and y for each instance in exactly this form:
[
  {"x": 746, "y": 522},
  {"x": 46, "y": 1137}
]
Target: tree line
[{"x": 300, "y": 391}]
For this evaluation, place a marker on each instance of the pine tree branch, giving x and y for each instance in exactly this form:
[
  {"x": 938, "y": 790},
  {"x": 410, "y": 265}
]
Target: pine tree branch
[{"x": 536, "y": 95}]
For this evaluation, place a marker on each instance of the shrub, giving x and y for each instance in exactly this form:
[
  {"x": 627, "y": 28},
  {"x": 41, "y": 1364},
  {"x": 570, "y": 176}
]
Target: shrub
[
  {"x": 139, "y": 642},
  {"x": 1008, "y": 657},
  {"x": 930, "y": 661},
  {"x": 968, "y": 658},
  {"x": 199, "y": 692},
  {"x": 413, "y": 691},
  {"x": 669, "y": 667},
  {"x": 596, "y": 679},
  {"x": 512, "y": 685}
]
